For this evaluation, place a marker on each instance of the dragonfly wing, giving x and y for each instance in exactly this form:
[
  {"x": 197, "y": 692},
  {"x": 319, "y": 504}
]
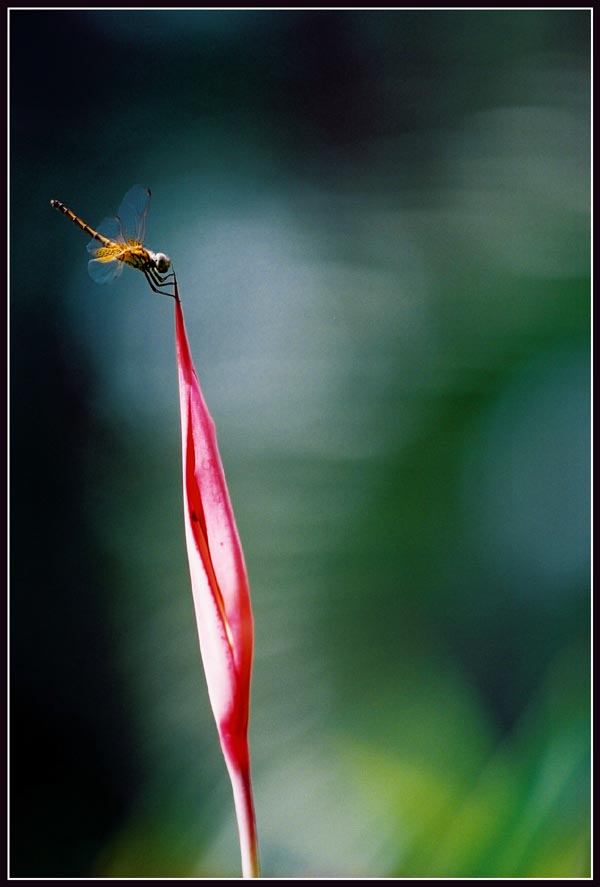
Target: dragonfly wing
[
  {"x": 109, "y": 228},
  {"x": 133, "y": 212},
  {"x": 103, "y": 271}
]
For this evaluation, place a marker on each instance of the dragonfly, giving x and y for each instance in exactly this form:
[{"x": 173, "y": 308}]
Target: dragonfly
[{"x": 119, "y": 241}]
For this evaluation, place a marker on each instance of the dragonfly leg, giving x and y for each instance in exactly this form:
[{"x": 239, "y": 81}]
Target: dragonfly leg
[
  {"x": 161, "y": 279},
  {"x": 155, "y": 281}
]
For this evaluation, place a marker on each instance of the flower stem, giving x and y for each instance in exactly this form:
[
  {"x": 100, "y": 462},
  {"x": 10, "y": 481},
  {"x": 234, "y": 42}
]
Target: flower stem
[{"x": 244, "y": 810}]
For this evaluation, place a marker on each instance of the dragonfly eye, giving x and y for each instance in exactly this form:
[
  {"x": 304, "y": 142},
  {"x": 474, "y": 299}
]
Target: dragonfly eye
[{"x": 163, "y": 263}]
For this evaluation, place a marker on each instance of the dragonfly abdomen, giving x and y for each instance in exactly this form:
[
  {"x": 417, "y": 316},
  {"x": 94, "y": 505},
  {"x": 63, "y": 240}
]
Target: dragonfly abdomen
[{"x": 79, "y": 222}]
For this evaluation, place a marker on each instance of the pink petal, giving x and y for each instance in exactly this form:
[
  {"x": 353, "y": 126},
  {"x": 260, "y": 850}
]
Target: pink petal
[
  {"x": 218, "y": 572},
  {"x": 219, "y": 587}
]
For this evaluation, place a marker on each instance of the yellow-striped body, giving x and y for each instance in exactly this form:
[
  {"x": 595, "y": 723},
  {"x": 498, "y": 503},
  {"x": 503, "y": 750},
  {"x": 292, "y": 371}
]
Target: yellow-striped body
[{"x": 132, "y": 253}]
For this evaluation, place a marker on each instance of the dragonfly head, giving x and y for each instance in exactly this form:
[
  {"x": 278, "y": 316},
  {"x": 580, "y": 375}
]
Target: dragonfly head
[{"x": 163, "y": 263}]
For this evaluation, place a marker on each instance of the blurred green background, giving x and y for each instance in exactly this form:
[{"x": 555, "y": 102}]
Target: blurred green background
[{"x": 380, "y": 223}]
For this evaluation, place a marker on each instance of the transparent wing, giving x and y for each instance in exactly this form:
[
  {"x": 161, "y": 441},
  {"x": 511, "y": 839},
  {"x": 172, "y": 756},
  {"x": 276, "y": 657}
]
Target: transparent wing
[
  {"x": 133, "y": 212},
  {"x": 103, "y": 271},
  {"x": 110, "y": 228}
]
